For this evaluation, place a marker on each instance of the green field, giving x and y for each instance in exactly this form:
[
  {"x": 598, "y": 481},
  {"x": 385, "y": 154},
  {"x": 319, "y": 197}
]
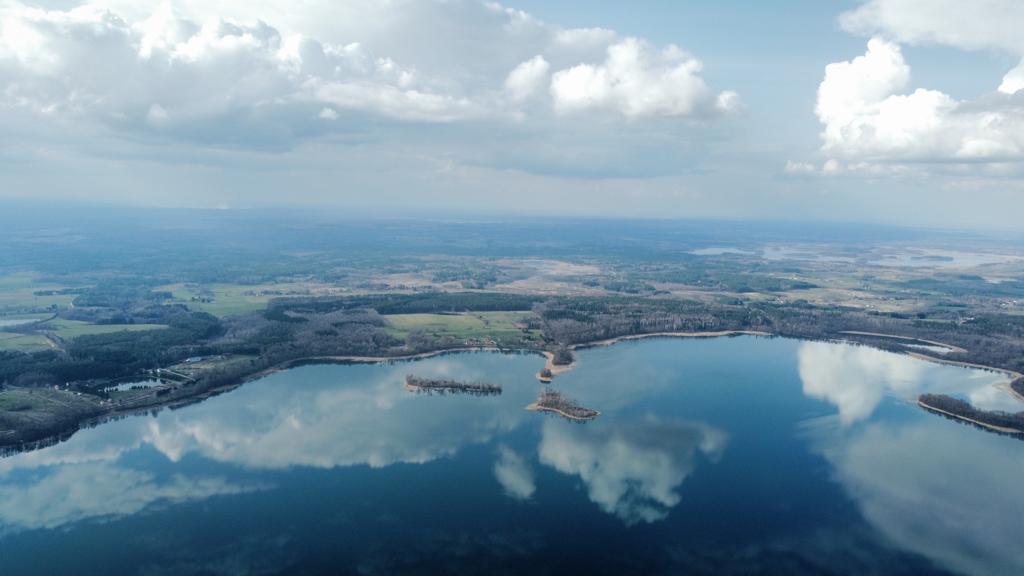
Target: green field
[
  {"x": 23, "y": 342},
  {"x": 68, "y": 329},
  {"x": 503, "y": 327},
  {"x": 231, "y": 299},
  {"x": 17, "y": 293}
]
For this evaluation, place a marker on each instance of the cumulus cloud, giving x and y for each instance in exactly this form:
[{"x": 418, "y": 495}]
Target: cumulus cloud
[
  {"x": 637, "y": 80},
  {"x": 170, "y": 73},
  {"x": 870, "y": 111},
  {"x": 990, "y": 25},
  {"x": 195, "y": 72},
  {"x": 867, "y": 114},
  {"x": 525, "y": 79}
]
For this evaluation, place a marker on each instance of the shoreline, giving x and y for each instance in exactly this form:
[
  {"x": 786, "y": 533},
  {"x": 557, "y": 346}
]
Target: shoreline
[
  {"x": 709, "y": 334},
  {"x": 1010, "y": 373},
  {"x": 950, "y": 347},
  {"x": 1002, "y": 429},
  {"x": 67, "y": 431},
  {"x": 554, "y": 369},
  {"x": 534, "y": 407}
]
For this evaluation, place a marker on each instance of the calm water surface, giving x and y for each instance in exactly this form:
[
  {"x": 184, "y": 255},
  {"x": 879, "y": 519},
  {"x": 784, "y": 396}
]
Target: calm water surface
[{"x": 720, "y": 456}]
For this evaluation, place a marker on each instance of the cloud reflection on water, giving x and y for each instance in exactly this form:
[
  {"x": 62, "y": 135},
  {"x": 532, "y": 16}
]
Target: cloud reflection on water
[
  {"x": 100, "y": 490},
  {"x": 631, "y": 469},
  {"x": 514, "y": 474},
  {"x": 855, "y": 379},
  {"x": 939, "y": 489},
  {"x": 377, "y": 424},
  {"x": 268, "y": 425}
]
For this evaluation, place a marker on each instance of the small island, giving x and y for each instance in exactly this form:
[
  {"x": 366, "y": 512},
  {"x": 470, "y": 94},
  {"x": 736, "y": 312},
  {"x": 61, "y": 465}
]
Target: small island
[
  {"x": 1003, "y": 422},
  {"x": 444, "y": 386},
  {"x": 553, "y": 401}
]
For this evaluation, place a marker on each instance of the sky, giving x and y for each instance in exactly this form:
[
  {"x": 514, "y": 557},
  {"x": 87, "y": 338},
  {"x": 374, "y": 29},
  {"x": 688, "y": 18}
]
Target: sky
[{"x": 889, "y": 111}]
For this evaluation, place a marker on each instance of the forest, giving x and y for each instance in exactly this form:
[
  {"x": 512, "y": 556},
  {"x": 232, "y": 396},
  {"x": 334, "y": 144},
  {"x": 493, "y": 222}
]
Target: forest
[
  {"x": 295, "y": 328},
  {"x": 964, "y": 410}
]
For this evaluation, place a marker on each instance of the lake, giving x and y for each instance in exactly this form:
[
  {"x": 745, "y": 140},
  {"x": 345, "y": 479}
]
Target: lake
[{"x": 743, "y": 455}]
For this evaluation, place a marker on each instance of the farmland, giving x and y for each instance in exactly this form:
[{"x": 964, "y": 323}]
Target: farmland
[
  {"x": 503, "y": 328},
  {"x": 69, "y": 329},
  {"x": 13, "y": 342},
  {"x": 18, "y": 293}
]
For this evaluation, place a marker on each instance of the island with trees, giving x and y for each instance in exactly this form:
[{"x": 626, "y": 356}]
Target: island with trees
[
  {"x": 555, "y": 402},
  {"x": 445, "y": 386}
]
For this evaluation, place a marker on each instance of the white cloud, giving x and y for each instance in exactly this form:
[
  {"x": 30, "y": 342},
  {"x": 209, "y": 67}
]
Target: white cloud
[
  {"x": 214, "y": 72},
  {"x": 90, "y": 62},
  {"x": 524, "y": 80},
  {"x": 1013, "y": 82},
  {"x": 968, "y": 25},
  {"x": 793, "y": 167},
  {"x": 868, "y": 115},
  {"x": 637, "y": 80}
]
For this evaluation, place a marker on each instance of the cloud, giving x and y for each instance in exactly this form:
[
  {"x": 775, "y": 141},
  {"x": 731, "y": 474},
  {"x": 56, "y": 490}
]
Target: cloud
[
  {"x": 866, "y": 115},
  {"x": 637, "y": 81},
  {"x": 793, "y": 167},
  {"x": 168, "y": 73},
  {"x": 195, "y": 73},
  {"x": 632, "y": 469},
  {"x": 514, "y": 474},
  {"x": 525, "y": 79},
  {"x": 871, "y": 113},
  {"x": 992, "y": 24}
]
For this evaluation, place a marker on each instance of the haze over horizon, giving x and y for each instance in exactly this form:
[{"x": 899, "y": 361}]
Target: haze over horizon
[{"x": 885, "y": 111}]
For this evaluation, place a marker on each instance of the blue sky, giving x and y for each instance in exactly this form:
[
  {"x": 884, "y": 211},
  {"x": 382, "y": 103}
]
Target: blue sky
[{"x": 898, "y": 111}]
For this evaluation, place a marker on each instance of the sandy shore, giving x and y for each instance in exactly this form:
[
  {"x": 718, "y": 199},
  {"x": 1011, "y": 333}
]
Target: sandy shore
[
  {"x": 1002, "y": 429},
  {"x": 382, "y": 359},
  {"x": 555, "y": 369},
  {"x": 611, "y": 341},
  {"x": 949, "y": 347},
  {"x": 1013, "y": 375}
]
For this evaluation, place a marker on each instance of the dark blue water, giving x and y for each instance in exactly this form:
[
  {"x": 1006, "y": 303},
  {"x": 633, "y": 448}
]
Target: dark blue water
[{"x": 714, "y": 456}]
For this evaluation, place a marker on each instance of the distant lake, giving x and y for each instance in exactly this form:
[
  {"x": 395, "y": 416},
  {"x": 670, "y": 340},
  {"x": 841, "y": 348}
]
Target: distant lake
[
  {"x": 12, "y": 322},
  {"x": 740, "y": 455}
]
